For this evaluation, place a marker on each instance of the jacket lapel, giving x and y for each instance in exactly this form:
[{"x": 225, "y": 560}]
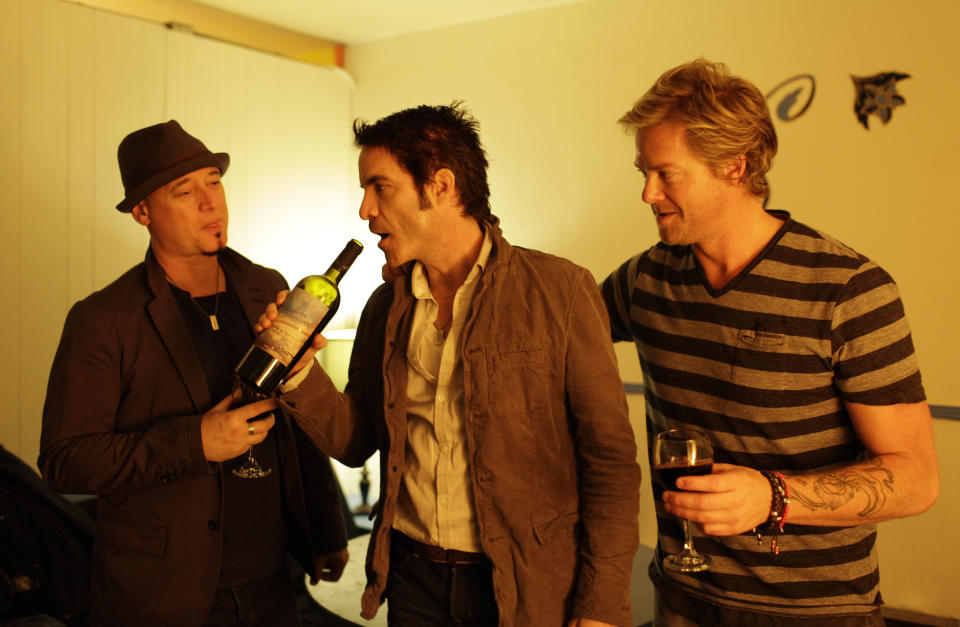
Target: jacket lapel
[
  {"x": 253, "y": 295},
  {"x": 168, "y": 320}
]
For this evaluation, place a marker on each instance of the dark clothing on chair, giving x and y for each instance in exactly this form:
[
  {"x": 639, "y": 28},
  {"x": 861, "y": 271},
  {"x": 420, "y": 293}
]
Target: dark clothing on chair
[{"x": 45, "y": 544}]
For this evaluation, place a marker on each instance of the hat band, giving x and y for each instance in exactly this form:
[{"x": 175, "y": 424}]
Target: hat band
[{"x": 181, "y": 158}]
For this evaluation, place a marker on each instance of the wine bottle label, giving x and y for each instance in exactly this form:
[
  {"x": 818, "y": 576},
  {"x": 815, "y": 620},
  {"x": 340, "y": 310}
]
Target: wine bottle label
[{"x": 298, "y": 317}]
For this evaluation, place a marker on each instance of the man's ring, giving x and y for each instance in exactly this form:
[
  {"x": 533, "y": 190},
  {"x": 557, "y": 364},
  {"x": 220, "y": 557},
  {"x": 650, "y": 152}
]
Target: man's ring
[{"x": 251, "y": 430}]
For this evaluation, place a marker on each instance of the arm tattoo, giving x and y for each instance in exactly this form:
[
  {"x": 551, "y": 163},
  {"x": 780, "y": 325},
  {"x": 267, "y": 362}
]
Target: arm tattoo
[{"x": 832, "y": 490}]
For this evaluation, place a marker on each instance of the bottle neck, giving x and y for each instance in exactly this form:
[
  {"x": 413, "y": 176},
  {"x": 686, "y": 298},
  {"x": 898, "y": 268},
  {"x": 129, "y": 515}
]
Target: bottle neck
[{"x": 334, "y": 274}]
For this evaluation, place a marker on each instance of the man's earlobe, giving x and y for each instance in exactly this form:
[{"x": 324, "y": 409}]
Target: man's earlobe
[
  {"x": 140, "y": 213},
  {"x": 444, "y": 181},
  {"x": 737, "y": 169}
]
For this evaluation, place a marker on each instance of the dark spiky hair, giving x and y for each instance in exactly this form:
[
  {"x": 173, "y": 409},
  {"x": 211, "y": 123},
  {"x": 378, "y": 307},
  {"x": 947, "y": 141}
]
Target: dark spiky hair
[{"x": 427, "y": 138}]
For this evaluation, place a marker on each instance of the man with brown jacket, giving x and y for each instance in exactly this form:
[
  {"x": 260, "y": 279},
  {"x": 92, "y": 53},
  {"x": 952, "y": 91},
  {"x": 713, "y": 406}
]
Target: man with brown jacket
[{"x": 484, "y": 374}]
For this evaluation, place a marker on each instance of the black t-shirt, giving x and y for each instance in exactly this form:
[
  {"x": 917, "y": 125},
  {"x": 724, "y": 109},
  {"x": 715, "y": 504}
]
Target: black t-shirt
[{"x": 251, "y": 521}]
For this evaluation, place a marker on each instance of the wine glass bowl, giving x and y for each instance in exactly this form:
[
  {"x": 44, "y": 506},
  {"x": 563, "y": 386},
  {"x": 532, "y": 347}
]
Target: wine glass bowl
[{"x": 679, "y": 453}]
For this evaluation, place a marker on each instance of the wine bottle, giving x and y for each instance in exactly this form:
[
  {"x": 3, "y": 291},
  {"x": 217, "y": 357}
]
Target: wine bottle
[{"x": 306, "y": 311}]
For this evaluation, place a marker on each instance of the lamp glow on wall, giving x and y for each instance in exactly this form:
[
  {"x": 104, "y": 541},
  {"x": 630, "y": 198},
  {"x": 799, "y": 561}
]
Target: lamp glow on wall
[
  {"x": 358, "y": 484},
  {"x": 335, "y": 356}
]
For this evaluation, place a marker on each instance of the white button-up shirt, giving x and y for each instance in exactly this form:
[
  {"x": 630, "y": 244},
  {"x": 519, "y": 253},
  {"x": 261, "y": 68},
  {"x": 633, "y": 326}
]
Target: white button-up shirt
[{"x": 435, "y": 504}]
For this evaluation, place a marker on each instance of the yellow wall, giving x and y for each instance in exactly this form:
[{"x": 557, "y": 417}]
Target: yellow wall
[{"x": 548, "y": 87}]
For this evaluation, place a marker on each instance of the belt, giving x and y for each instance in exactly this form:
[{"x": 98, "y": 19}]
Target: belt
[{"x": 437, "y": 554}]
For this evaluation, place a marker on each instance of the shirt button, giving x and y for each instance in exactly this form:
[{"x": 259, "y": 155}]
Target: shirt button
[
  {"x": 441, "y": 398},
  {"x": 213, "y": 525}
]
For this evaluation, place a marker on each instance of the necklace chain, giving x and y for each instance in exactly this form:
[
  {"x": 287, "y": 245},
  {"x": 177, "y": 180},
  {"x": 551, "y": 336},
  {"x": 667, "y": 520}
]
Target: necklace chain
[{"x": 214, "y": 321}]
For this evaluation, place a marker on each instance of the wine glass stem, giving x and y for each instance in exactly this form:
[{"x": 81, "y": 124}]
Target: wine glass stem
[{"x": 687, "y": 537}]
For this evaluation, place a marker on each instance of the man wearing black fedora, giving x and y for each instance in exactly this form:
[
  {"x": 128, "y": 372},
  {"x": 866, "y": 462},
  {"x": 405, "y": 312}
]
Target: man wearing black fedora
[{"x": 139, "y": 411}]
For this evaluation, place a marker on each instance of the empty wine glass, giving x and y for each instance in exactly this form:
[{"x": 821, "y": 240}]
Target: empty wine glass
[{"x": 677, "y": 453}]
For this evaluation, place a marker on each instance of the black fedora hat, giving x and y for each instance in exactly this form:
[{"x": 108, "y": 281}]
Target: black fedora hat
[{"x": 153, "y": 156}]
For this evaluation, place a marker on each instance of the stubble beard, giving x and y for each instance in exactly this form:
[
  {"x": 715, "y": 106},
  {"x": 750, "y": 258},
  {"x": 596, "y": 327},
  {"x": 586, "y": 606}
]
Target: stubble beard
[{"x": 672, "y": 233}]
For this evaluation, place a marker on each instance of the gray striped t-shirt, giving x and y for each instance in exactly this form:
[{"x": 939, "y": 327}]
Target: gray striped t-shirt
[{"x": 765, "y": 365}]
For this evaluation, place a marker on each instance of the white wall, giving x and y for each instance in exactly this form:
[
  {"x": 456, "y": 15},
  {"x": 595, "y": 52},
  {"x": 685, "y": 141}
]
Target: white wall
[
  {"x": 548, "y": 87},
  {"x": 73, "y": 82}
]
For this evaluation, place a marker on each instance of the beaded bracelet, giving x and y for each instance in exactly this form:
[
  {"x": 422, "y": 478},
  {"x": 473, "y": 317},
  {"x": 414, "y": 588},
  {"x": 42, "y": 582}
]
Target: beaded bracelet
[{"x": 779, "y": 507}]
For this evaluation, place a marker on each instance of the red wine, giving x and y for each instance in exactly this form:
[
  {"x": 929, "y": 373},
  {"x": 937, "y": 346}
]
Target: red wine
[
  {"x": 307, "y": 310},
  {"x": 668, "y": 474}
]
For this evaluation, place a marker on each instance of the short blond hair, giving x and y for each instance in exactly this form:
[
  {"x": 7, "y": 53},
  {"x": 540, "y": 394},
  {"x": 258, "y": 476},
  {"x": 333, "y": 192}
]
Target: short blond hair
[{"x": 725, "y": 116}]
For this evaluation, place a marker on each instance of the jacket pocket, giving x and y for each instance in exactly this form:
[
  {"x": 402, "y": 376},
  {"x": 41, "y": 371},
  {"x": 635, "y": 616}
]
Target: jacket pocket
[
  {"x": 545, "y": 531},
  {"x": 148, "y": 539},
  {"x": 519, "y": 379}
]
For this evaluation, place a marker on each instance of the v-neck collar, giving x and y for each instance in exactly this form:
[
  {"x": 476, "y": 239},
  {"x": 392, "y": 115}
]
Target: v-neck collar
[{"x": 760, "y": 256}]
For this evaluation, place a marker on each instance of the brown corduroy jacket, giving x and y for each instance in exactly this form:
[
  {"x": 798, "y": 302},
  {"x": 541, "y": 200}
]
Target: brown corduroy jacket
[{"x": 552, "y": 456}]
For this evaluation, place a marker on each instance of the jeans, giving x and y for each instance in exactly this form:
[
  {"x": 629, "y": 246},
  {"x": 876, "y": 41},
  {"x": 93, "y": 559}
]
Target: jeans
[
  {"x": 268, "y": 601},
  {"x": 422, "y": 593}
]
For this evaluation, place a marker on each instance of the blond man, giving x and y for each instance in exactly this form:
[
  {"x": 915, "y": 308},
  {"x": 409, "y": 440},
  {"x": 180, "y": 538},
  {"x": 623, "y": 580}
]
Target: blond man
[{"x": 788, "y": 348}]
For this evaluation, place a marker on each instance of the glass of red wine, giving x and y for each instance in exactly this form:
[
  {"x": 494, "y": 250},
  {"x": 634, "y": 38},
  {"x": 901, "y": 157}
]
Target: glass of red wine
[{"x": 678, "y": 453}]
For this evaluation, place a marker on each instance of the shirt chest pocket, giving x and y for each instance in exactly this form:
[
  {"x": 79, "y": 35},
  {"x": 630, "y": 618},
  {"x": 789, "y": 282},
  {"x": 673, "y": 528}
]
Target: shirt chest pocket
[
  {"x": 519, "y": 379},
  {"x": 787, "y": 367}
]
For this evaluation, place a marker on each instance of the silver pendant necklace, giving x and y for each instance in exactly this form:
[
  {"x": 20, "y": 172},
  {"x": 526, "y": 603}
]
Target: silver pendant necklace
[{"x": 214, "y": 321}]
